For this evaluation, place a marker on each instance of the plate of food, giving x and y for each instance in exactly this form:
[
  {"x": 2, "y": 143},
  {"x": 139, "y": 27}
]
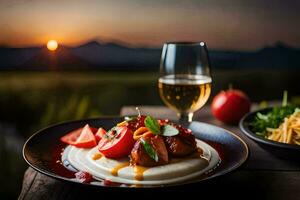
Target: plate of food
[
  {"x": 138, "y": 151},
  {"x": 276, "y": 129}
]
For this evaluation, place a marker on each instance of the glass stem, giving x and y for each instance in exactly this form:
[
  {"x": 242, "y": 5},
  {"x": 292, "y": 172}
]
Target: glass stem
[{"x": 185, "y": 118}]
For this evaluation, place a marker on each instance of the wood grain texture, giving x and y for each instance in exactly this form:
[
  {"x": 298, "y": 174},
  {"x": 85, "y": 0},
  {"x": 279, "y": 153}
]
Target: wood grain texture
[
  {"x": 263, "y": 176},
  {"x": 254, "y": 184}
]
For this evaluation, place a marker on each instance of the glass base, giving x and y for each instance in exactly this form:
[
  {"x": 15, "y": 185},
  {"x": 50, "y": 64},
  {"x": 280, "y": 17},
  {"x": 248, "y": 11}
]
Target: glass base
[{"x": 185, "y": 118}]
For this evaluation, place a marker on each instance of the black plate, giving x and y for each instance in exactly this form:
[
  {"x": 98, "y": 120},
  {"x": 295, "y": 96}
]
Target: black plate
[
  {"x": 42, "y": 150},
  {"x": 282, "y": 150}
]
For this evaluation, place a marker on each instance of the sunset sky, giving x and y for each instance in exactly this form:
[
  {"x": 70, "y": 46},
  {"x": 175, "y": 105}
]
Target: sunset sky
[{"x": 236, "y": 24}]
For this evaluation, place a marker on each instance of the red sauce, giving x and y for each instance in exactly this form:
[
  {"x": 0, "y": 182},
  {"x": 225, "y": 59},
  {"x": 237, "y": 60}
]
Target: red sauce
[
  {"x": 83, "y": 177},
  {"x": 107, "y": 182},
  {"x": 219, "y": 148},
  {"x": 57, "y": 167}
]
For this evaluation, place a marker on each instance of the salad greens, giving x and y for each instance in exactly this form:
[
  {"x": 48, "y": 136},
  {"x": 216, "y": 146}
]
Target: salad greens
[{"x": 273, "y": 118}]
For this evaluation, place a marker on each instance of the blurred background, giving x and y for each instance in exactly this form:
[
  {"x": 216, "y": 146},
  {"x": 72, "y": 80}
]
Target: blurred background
[{"x": 64, "y": 60}]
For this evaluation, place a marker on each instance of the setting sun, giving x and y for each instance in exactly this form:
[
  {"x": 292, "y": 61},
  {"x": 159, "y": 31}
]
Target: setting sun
[{"x": 52, "y": 45}]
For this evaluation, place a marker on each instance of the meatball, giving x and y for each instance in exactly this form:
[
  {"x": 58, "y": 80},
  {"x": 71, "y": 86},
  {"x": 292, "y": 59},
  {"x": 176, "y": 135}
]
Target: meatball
[
  {"x": 181, "y": 145},
  {"x": 139, "y": 156}
]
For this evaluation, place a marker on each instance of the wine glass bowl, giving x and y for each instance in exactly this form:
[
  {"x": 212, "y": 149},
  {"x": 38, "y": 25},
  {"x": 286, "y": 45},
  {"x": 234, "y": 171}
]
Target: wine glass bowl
[{"x": 185, "y": 82}]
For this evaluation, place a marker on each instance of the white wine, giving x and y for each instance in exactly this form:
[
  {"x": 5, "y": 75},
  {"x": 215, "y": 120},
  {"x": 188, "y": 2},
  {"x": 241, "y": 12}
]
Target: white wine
[{"x": 184, "y": 93}]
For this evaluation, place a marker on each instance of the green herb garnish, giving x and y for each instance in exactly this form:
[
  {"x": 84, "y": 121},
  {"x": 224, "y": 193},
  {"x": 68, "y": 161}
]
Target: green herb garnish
[
  {"x": 152, "y": 124},
  {"x": 149, "y": 150},
  {"x": 168, "y": 130},
  {"x": 165, "y": 130}
]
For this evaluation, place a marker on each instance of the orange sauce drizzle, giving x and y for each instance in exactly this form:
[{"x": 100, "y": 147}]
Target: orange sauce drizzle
[
  {"x": 96, "y": 156},
  {"x": 199, "y": 152},
  {"x": 139, "y": 172},
  {"x": 115, "y": 170}
]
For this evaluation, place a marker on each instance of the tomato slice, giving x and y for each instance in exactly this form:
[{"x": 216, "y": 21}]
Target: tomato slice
[
  {"x": 81, "y": 137},
  {"x": 117, "y": 143},
  {"x": 86, "y": 138},
  {"x": 71, "y": 137},
  {"x": 100, "y": 133}
]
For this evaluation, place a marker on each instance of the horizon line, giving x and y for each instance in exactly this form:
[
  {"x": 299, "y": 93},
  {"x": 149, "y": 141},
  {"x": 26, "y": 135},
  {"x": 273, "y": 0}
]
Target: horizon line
[{"x": 141, "y": 46}]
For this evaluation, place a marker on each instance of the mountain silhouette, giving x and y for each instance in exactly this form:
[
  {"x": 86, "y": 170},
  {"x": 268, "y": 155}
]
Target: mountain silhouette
[
  {"x": 13, "y": 57},
  {"x": 114, "y": 56},
  {"x": 61, "y": 59},
  {"x": 278, "y": 56}
]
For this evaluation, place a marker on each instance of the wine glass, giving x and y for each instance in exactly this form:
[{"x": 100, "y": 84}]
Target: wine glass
[{"x": 185, "y": 82}]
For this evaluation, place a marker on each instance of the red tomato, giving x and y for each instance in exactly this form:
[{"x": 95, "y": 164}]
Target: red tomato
[
  {"x": 117, "y": 143},
  {"x": 100, "y": 133},
  {"x": 86, "y": 138},
  {"x": 71, "y": 137},
  {"x": 230, "y": 106},
  {"x": 82, "y": 137}
]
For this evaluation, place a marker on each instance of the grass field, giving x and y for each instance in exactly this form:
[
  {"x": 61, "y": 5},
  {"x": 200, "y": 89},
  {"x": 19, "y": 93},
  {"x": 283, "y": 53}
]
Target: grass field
[{"x": 52, "y": 97}]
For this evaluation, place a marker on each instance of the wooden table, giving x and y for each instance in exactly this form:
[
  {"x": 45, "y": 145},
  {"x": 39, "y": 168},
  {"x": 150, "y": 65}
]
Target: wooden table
[{"x": 263, "y": 176}]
